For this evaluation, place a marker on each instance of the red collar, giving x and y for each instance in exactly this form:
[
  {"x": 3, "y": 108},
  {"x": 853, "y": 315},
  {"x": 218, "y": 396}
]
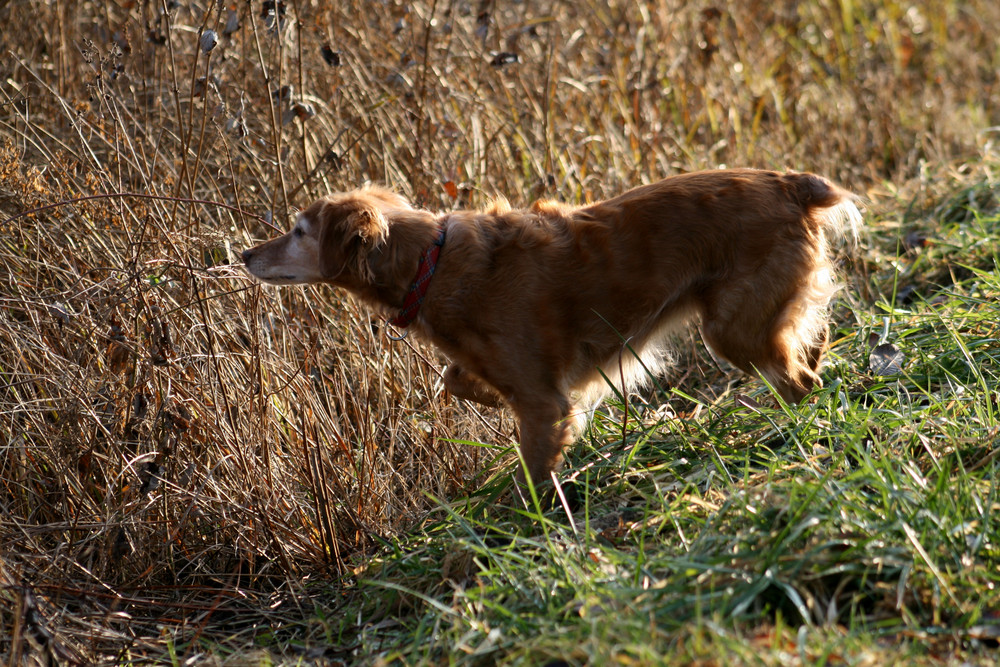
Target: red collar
[{"x": 418, "y": 290}]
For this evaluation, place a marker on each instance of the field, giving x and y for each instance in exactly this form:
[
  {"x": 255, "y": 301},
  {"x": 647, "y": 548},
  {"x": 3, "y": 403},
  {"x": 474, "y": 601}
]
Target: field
[{"x": 198, "y": 470}]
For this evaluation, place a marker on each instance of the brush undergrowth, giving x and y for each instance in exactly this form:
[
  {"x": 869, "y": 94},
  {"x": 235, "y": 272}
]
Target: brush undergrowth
[{"x": 194, "y": 469}]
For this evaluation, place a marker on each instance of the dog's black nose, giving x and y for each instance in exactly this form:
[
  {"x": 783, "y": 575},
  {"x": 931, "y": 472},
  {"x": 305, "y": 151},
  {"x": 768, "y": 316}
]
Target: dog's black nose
[{"x": 245, "y": 255}]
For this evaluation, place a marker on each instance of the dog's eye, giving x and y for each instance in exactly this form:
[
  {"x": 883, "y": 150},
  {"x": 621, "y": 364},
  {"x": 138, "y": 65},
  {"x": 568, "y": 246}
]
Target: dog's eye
[{"x": 297, "y": 232}]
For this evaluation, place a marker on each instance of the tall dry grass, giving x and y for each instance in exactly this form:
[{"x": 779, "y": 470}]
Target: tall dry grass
[{"x": 178, "y": 443}]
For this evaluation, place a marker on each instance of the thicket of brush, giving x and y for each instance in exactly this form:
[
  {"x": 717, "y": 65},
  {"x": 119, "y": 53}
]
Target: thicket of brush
[{"x": 183, "y": 453}]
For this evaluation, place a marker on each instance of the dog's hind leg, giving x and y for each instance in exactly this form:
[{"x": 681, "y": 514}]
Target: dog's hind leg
[
  {"x": 777, "y": 353},
  {"x": 788, "y": 373},
  {"x": 815, "y": 352}
]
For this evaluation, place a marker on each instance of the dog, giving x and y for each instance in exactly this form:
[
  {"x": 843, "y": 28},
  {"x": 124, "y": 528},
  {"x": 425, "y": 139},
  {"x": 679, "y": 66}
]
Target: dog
[{"x": 535, "y": 308}]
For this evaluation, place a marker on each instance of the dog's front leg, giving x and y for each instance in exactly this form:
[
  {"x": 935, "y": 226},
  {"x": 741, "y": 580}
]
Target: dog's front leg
[
  {"x": 464, "y": 384},
  {"x": 545, "y": 429}
]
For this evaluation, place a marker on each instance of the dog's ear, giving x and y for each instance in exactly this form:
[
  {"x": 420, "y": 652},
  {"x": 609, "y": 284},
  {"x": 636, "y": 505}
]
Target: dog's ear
[
  {"x": 370, "y": 224},
  {"x": 347, "y": 238}
]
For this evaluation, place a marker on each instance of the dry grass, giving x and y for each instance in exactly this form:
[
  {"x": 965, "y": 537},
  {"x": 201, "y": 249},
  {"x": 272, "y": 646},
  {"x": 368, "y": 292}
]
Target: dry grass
[{"x": 181, "y": 448}]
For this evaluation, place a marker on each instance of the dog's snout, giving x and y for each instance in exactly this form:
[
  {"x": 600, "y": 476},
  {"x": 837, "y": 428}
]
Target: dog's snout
[{"x": 246, "y": 255}]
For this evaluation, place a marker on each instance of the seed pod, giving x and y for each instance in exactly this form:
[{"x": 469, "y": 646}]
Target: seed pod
[
  {"x": 284, "y": 94},
  {"x": 504, "y": 58},
  {"x": 303, "y": 110},
  {"x": 232, "y": 21},
  {"x": 208, "y": 40},
  {"x": 331, "y": 57}
]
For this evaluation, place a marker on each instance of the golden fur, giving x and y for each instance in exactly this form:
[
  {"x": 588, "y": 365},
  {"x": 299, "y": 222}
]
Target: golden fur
[{"x": 531, "y": 304}]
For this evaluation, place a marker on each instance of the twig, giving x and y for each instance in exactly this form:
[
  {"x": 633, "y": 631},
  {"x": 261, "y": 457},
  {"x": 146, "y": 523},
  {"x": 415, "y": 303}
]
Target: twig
[{"x": 139, "y": 195}]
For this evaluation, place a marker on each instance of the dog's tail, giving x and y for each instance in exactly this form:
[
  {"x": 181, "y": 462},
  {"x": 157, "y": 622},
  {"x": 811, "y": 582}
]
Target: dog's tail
[{"x": 833, "y": 208}]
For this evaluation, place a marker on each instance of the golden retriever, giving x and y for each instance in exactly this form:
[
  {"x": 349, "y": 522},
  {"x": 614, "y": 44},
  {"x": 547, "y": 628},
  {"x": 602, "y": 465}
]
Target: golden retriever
[{"x": 532, "y": 305}]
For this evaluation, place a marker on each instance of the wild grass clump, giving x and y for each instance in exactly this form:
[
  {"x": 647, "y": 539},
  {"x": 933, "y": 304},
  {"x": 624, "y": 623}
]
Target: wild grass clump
[{"x": 193, "y": 468}]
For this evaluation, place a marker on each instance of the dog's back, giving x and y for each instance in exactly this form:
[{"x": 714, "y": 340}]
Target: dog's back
[{"x": 743, "y": 249}]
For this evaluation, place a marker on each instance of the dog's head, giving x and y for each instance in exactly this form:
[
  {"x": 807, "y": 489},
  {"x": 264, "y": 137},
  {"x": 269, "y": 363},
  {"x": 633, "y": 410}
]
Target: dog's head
[{"x": 332, "y": 241}]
